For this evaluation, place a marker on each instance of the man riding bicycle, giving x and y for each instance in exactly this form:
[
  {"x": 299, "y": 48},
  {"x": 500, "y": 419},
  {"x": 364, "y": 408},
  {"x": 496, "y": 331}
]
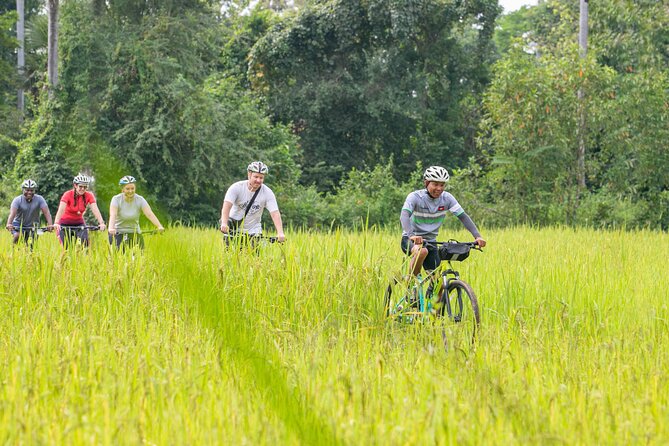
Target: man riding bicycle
[
  {"x": 422, "y": 215},
  {"x": 244, "y": 204},
  {"x": 24, "y": 213}
]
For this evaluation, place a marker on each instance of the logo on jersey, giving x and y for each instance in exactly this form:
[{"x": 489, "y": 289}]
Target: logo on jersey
[{"x": 441, "y": 208}]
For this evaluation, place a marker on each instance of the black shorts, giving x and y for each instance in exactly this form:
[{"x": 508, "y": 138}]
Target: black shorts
[
  {"x": 27, "y": 235},
  {"x": 432, "y": 260},
  {"x": 68, "y": 236},
  {"x": 123, "y": 241}
]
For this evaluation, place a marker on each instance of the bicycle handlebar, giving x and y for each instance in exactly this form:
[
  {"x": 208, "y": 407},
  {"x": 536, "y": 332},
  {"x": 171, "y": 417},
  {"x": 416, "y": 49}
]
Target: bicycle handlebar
[
  {"x": 153, "y": 231},
  {"x": 473, "y": 245},
  {"x": 90, "y": 228},
  {"x": 31, "y": 228}
]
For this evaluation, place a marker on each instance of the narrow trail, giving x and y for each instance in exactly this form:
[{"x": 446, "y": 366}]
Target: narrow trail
[{"x": 234, "y": 328}]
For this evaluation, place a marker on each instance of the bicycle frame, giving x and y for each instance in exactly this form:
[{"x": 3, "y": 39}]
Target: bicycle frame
[
  {"x": 423, "y": 298},
  {"x": 90, "y": 228},
  {"x": 29, "y": 234},
  {"x": 241, "y": 236}
]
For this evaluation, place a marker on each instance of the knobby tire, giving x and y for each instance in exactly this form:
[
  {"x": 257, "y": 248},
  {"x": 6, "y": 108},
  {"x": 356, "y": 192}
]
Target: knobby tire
[{"x": 460, "y": 305}]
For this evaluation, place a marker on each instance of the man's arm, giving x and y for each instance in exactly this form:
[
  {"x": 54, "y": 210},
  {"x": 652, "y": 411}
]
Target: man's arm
[
  {"x": 278, "y": 224},
  {"x": 405, "y": 220},
  {"x": 471, "y": 227},
  {"x": 12, "y": 216},
  {"x": 225, "y": 216},
  {"x": 47, "y": 216}
]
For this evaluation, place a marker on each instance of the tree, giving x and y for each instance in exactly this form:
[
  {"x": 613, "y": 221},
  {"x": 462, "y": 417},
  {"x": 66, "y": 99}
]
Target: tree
[
  {"x": 531, "y": 121},
  {"x": 530, "y": 127},
  {"x": 141, "y": 95},
  {"x": 360, "y": 82}
]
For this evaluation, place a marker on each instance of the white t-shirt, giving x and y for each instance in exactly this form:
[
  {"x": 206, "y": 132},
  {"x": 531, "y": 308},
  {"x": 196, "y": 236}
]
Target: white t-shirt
[{"x": 239, "y": 195}]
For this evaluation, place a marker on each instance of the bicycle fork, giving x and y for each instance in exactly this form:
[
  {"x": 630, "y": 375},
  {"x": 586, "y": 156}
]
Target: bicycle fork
[{"x": 448, "y": 276}]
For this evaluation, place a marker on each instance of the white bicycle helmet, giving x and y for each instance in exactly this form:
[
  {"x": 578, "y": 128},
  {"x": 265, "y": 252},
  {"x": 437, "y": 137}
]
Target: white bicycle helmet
[
  {"x": 127, "y": 180},
  {"x": 29, "y": 184},
  {"x": 436, "y": 173},
  {"x": 81, "y": 179},
  {"x": 258, "y": 167}
]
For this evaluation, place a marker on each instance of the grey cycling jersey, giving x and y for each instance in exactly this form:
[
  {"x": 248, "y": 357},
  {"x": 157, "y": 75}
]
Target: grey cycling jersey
[
  {"x": 128, "y": 213},
  {"x": 427, "y": 214},
  {"x": 27, "y": 212}
]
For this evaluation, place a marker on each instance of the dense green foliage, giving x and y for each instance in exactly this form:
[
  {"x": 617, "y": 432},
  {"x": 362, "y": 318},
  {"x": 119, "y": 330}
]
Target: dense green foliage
[
  {"x": 345, "y": 100},
  {"x": 8, "y": 83},
  {"x": 361, "y": 81},
  {"x": 530, "y": 131}
]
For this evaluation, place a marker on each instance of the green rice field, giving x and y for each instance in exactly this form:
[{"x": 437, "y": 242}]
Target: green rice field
[{"x": 187, "y": 343}]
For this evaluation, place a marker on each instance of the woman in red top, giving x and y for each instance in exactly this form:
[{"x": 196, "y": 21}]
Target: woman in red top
[{"x": 69, "y": 221}]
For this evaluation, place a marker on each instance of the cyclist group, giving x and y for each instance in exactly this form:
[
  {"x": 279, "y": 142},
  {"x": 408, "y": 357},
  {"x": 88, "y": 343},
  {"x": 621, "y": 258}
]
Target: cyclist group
[
  {"x": 421, "y": 216},
  {"x": 69, "y": 224}
]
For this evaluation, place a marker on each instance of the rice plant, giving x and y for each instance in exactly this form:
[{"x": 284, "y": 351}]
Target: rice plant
[{"x": 190, "y": 343}]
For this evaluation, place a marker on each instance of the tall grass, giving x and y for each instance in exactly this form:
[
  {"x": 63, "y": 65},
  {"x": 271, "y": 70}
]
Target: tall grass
[{"x": 187, "y": 343}]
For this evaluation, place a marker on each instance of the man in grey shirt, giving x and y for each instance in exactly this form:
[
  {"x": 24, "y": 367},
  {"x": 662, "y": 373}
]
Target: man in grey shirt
[
  {"x": 423, "y": 214},
  {"x": 24, "y": 213}
]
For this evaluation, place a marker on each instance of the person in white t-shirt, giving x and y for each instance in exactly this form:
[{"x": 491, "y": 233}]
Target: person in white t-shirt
[{"x": 234, "y": 214}]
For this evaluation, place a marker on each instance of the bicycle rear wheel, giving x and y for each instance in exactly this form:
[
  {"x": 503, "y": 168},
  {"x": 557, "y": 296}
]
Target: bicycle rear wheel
[
  {"x": 457, "y": 301},
  {"x": 399, "y": 300}
]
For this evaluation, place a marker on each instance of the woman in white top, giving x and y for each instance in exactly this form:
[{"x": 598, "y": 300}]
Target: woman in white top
[{"x": 124, "y": 212}]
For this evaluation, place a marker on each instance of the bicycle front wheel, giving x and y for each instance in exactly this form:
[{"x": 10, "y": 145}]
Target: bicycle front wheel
[{"x": 458, "y": 303}]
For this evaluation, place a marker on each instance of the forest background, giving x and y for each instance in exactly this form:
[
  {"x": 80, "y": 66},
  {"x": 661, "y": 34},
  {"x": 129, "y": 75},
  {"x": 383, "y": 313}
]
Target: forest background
[{"x": 346, "y": 101}]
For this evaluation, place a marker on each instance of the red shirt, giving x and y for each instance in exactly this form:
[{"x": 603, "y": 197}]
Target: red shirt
[{"x": 74, "y": 211}]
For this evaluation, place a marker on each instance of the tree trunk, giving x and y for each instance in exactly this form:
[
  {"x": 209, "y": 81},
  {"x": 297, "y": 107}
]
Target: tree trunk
[
  {"x": 52, "y": 63},
  {"x": 582, "y": 119},
  {"x": 21, "y": 59}
]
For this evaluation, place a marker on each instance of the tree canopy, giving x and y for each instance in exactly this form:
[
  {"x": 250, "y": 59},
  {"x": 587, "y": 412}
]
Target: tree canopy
[{"x": 337, "y": 94}]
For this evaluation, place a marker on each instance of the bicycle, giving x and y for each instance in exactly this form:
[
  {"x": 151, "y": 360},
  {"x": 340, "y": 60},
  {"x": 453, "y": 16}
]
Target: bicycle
[
  {"x": 243, "y": 240},
  {"x": 412, "y": 299},
  {"x": 79, "y": 232},
  {"x": 29, "y": 234},
  {"x": 123, "y": 241}
]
